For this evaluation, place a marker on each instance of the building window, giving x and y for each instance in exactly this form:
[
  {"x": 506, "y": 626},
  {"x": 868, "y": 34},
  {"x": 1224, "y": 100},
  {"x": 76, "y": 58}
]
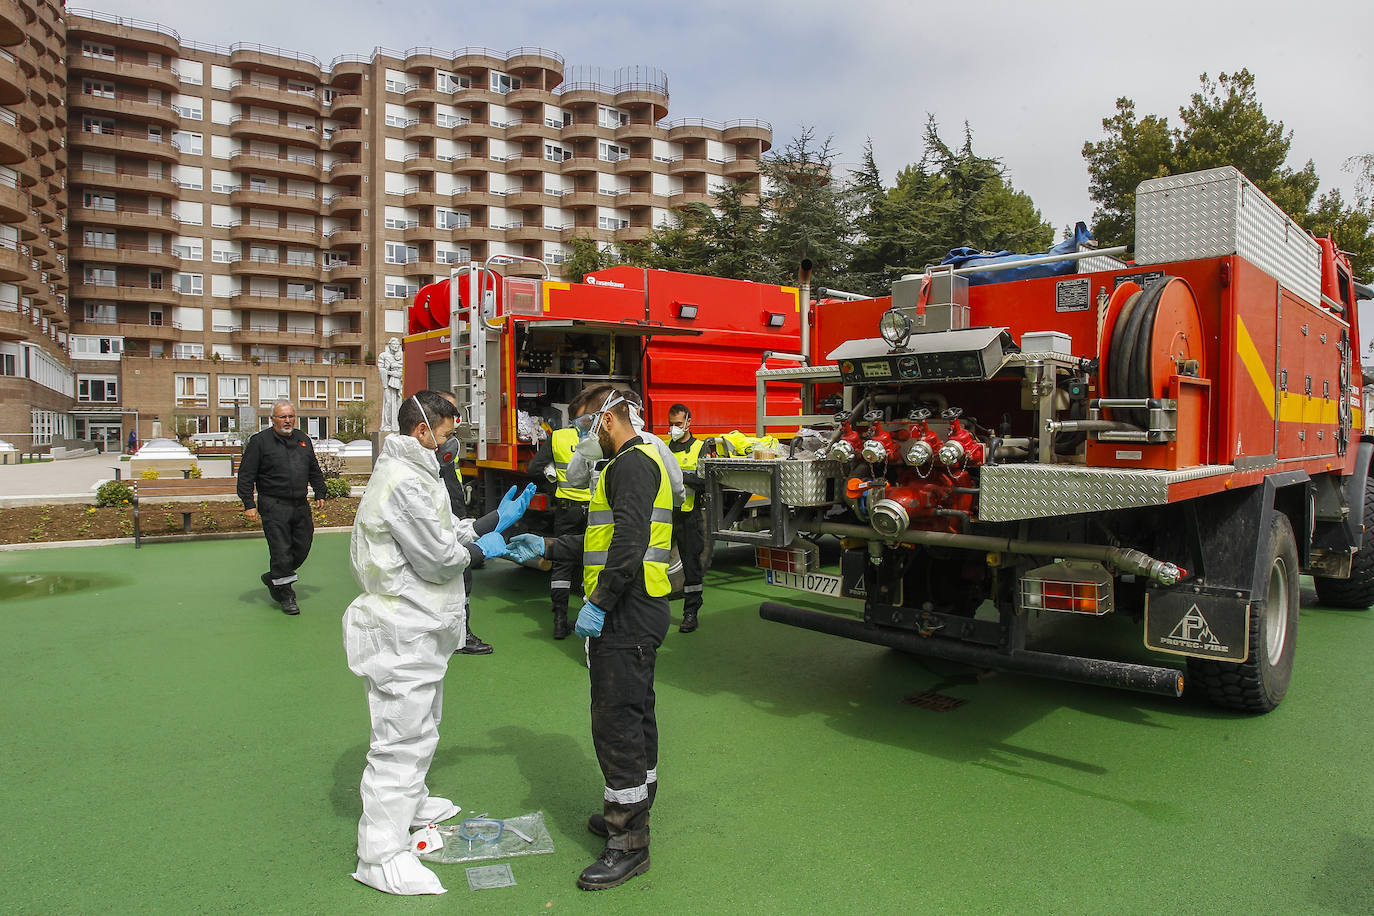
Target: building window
[
  {"x": 398, "y": 253},
  {"x": 98, "y": 276},
  {"x": 192, "y": 251},
  {"x": 349, "y": 390},
  {"x": 95, "y": 201},
  {"x": 101, "y": 312},
  {"x": 611, "y": 152},
  {"x": 188, "y": 142},
  {"x": 314, "y": 392},
  {"x": 503, "y": 82},
  {"x": 94, "y": 238},
  {"x": 189, "y": 284},
  {"x": 228, "y": 423},
  {"x": 272, "y": 388},
  {"x": 610, "y": 222},
  {"x": 555, "y": 153},
  {"x": 192, "y": 390},
  {"x": 100, "y": 389},
  {"x": 91, "y": 49},
  {"x": 188, "y": 351},
  {"x": 233, "y": 390},
  {"x": 399, "y": 289},
  {"x": 98, "y": 89}
]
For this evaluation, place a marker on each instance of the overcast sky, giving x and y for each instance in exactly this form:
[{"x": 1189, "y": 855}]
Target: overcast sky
[{"x": 1033, "y": 81}]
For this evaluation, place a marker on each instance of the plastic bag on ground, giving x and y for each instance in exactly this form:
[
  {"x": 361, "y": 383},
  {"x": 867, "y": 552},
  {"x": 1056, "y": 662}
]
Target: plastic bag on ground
[{"x": 510, "y": 843}]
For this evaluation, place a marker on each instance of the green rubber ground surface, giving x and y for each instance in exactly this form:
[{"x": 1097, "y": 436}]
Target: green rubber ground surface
[{"x": 174, "y": 744}]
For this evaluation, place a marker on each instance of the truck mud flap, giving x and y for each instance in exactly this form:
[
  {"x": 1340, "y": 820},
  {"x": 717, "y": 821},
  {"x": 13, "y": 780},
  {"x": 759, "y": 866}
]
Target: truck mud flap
[{"x": 1198, "y": 624}]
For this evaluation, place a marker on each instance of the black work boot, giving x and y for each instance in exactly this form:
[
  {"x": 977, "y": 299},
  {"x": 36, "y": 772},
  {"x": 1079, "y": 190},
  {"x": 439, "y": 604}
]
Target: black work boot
[
  {"x": 615, "y": 866},
  {"x": 288, "y": 600},
  {"x": 689, "y": 622},
  {"x": 474, "y": 646},
  {"x": 597, "y": 825},
  {"x": 273, "y": 590},
  {"x": 561, "y": 628}
]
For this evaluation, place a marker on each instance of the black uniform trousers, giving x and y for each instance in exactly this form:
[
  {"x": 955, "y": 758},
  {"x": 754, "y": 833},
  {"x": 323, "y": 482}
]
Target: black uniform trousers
[
  {"x": 569, "y": 517},
  {"x": 690, "y": 533},
  {"x": 625, "y": 735},
  {"x": 289, "y": 529}
]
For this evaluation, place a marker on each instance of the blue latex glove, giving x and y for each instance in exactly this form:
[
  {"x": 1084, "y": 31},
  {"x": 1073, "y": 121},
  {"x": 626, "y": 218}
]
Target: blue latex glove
[
  {"x": 512, "y": 507},
  {"x": 525, "y": 547},
  {"x": 590, "y": 620},
  {"x": 492, "y": 545}
]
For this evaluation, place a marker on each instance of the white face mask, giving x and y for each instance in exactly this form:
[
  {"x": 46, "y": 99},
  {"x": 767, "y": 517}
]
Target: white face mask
[{"x": 677, "y": 432}]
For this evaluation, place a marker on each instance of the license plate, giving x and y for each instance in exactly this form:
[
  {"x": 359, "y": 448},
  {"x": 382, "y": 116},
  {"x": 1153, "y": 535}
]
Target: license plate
[{"x": 820, "y": 583}]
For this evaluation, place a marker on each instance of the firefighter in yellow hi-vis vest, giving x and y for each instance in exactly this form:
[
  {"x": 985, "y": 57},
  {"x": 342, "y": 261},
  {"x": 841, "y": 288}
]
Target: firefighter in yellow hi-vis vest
[
  {"x": 625, "y": 553},
  {"x": 550, "y": 463},
  {"x": 688, "y": 530}
]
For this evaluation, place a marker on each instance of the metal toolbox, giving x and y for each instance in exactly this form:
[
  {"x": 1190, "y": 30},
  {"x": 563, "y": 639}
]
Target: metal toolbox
[
  {"x": 790, "y": 481},
  {"x": 1219, "y": 212}
]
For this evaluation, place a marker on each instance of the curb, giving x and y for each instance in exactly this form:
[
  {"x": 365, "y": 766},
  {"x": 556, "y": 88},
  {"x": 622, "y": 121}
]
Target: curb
[{"x": 160, "y": 539}]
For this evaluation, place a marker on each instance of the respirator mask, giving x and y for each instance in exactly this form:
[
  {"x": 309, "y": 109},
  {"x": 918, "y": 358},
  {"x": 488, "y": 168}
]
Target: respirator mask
[
  {"x": 451, "y": 447},
  {"x": 677, "y": 432}
]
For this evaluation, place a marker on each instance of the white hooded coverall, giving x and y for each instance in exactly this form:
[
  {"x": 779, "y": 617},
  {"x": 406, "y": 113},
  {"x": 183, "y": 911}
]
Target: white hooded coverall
[{"x": 408, "y": 555}]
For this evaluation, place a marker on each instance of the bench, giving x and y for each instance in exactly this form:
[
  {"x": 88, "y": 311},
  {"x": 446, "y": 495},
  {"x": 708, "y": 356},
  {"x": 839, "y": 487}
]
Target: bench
[
  {"x": 181, "y": 491},
  {"x": 235, "y": 453}
]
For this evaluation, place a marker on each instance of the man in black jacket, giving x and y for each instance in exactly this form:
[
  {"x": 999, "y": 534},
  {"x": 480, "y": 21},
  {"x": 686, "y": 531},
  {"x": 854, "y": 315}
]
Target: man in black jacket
[
  {"x": 458, "y": 503},
  {"x": 280, "y": 463}
]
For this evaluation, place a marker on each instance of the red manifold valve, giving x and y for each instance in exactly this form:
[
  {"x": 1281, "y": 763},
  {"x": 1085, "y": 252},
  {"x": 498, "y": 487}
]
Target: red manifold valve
[
  {"x": 879, "y": 446},
  {"x": 922, "y": 442},
  {"x": 847, "y": 447},
  {"x": 960, "y": 447}
]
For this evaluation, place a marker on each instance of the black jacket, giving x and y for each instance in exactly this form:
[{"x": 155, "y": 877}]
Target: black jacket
[
  {"x": 280, "y": 467},
  {"x": 632, "y": 615}
]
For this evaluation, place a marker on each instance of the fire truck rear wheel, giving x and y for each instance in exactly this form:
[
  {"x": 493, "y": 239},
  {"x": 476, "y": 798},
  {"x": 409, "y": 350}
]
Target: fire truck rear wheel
[
  {"x": 1259, "y": 683},
  {"x": 1357, "y": 592}
]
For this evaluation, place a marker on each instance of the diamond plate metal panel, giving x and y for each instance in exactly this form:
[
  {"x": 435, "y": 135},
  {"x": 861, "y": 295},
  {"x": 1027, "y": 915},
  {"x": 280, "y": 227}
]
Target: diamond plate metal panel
[
  {"x": 799, "y": 481},
  {"x": 1008, "y": 492},
  {"x": 1219, "y": 212}
]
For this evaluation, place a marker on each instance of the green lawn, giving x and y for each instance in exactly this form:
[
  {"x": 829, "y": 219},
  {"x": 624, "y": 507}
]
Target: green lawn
[{"x": 177, "y": 745}]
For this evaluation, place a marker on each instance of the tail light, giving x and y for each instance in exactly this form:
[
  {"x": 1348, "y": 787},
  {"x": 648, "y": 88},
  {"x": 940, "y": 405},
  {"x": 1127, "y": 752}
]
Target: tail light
[{"x": 1069, "y": 587}]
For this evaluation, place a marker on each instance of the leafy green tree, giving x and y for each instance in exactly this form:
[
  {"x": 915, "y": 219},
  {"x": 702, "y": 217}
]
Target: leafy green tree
[
  {"x": 353, "y": 422},
  {"x": 1133, "y": 151},
  {"x": 807, "y": 211},
  {"x": 587, "y": 257}
]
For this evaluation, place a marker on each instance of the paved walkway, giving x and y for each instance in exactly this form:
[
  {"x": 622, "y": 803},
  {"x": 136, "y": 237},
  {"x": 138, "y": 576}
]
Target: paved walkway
[{"x": 73, "y": 480}]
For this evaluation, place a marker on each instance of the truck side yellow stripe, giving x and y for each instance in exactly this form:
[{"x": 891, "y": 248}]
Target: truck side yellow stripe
[
  {"x": 548, "y": 287},
  {"x": 1254, "y": 365}
]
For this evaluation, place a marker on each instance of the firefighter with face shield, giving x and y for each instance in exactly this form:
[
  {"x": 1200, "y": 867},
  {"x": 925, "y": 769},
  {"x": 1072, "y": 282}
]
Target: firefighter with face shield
[
  {"x": 624, "y": 553},
  {"x": 408, "y": 554}
]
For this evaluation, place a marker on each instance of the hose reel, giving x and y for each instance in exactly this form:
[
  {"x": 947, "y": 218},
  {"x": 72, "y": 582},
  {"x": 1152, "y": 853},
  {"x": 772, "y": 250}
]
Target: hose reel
[{"x": 1150, "y": 334}]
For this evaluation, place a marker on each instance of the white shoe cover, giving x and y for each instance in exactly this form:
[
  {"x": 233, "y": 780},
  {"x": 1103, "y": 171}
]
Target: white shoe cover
[
  {"x": 401, "y": 874},
  {"x": 434, "y": 810}
]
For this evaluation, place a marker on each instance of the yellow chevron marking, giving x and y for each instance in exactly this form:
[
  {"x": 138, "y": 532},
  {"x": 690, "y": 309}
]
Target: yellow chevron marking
[
  {"x": 1254, "y": 364},
  {"x": 1292, "y": 407},
  {"x": 549, "y": 287}
]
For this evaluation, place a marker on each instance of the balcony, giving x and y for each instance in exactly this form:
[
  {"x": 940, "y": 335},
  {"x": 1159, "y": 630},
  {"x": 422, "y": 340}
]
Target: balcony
[
  {"x": 293, "y": 166},
  {"x": 422, "y": 232},
  {"x": 13, "y": 83},
  {"x": 477, "y": 232},
  {"x": 684, "y": 198},
  {"x": 337, "y": 273},
  {"x": 586, "y": 129},
  {"x": 344, "y": 306},
  {"x": 150, "y": 36},
  {"x": 125, "y": 70},
  {"x": 342, "y": 169},
  {"x": 476, "y": 198},
  {"x": 346, "y": 138},
  {"x": 637, "y": 198},
  {"x": 639, "y": 165},
  {"x": 132, "y": 143},
  {"x": 344, "y": 203},
  {"x": 124, "y": 218},
  {"x": 343, "y": 236},
  {"x": 692, "y": 166},
  {"x": 532, "y": 129},
  {"x": 531, "y": 232},
  {"x": 260, "y": 266},
  {"x": 306, "y": 304},
  {"x": 424, "y": 197},
  {"x": 15, "y": 20},
  {"x": 14, "y": 264},
  {"x": 531, "y": 164},
  {"x": 583, "y": 164},
  {"x": 427, "y": 95},
  {"x": 251, "y": 230},
  {"x": 14, "y": 203},
  {"x": 640, "y": 129},
  {"x": 299, "y": 201},
  {"x": 580, "y": 198},
  {"x": 274, "y": 337},
  {"x": 343, "y": 337},
  {"x": 346, "y": 103},
  {"x": 248, "y": 56},
  {"x": 251, "y": 92},
  {"x": 126, "y": 292},
  {"x": 416, "y": 164},
  {"x": 124, "y": 180},
  {"x": 739, "y": 131},
  {"x": 423, "y": 129},
  {"x": 245, "y": 127},
  {"x": 136, "y": 330},
  {"x": 125, "y": 105},
  {"x": 14, "y": 143},
  {"x": 478, "y": 130},
  {"x": 127, "y": 253},
  {"x": 741, "y": 168}
]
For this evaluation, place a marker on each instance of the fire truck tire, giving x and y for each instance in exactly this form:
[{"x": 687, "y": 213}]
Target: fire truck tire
[
  {"x": 1258, "y": 684},
  {"x": 1357, "y": 592}
]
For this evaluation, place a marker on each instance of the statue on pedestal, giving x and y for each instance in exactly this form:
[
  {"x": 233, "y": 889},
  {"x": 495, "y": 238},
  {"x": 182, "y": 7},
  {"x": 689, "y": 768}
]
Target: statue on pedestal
[{"x": 389, "y": 368}]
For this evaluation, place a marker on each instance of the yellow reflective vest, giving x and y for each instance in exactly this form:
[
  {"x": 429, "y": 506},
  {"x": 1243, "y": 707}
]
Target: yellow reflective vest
[
  {"x": 687, "y": 460},
  {"x": 563, "y": 441},
  {"x": 601, "y": 529}
]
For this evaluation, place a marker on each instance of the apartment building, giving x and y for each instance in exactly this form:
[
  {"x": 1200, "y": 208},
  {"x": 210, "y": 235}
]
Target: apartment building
[
  {"x": 36, "y": 378},
  {"x": 245, "y": 223}
]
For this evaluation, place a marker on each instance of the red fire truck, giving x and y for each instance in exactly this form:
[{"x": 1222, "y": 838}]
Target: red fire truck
[
  {"x": 515, "y": 350},
  {"x": 1023, "y": 473}
]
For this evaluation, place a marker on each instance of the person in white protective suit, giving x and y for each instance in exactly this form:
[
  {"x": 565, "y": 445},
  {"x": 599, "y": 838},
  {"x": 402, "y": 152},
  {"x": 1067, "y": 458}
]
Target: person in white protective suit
[
  {"x": 408, "y": 554},
  {"x": 582, "y": 465}
]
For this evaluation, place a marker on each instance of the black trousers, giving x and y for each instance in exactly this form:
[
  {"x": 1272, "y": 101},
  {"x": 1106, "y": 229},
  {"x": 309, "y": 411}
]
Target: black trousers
[
  {"x": 289, "y": 529},
  {"x": 689, "y": 531},
  {"x": 569, "y": 516},
  {"x": 625, "y": 735}
]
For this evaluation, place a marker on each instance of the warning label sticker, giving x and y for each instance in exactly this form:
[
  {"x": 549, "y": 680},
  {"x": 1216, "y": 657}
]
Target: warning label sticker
[
  {"x": 1197, "y": 625},
  {"x": 1073, "y": 295}
]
